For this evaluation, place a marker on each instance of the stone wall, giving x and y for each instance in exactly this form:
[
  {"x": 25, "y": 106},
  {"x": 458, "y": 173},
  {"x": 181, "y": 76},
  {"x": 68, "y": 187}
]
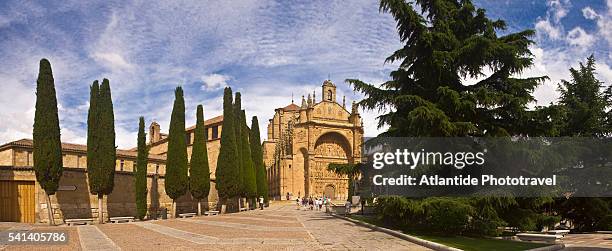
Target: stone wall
[
  {"x": 6, "y": 157},
  {"x": 75, "y": 201}
]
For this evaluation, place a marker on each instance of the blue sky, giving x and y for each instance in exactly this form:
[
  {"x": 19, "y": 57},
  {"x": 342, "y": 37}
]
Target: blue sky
[{"x": 268, "y": 50}]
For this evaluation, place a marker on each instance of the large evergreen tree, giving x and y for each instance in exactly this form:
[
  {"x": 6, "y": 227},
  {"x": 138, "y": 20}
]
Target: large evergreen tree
[
  {"x": 140, "y": 172},
  {"x": 227, "y": 179},
  {"x": 176, "y": 179},
  {"x": 584, "y": 103},
  {"x": 449, "y": 41},
  {"x": 239, "y": 134},
  {"x": 257, "y": 155},
  {"x": 585, "y": 108},
  {"x": 446, "y": 43},
  {"x": 47, "y": 146},
  {"x": 248, "y": 170},
  {"x": 199, "y": 172},
  {"x": 101, "y": 150}
]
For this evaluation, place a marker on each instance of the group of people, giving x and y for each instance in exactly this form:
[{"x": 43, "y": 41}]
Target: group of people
[{"x": 310, "y": 203}]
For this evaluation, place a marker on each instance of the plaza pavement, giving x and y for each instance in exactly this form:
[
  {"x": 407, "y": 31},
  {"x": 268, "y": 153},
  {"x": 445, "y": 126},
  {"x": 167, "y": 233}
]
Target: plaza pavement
[{"x": 277, "y": 227}]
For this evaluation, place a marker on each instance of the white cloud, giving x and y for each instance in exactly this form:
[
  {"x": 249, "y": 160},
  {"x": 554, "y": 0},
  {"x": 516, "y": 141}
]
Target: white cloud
[
  {"x": 215, "y": 81},
  {"x": 589, "y": 13},
  {"x": 545, "y": 26},
  {"x": 112, "y": 60},
  {"x": 578, "y": 37},
  {"x": 559, "y": 8}
]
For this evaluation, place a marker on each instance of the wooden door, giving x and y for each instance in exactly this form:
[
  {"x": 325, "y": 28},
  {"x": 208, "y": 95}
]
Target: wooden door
[{"x": 17, "y": 201}]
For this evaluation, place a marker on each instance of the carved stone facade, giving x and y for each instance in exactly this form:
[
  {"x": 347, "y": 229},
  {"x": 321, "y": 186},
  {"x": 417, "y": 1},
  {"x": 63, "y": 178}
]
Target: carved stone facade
[{"x": 304, "y": 140}]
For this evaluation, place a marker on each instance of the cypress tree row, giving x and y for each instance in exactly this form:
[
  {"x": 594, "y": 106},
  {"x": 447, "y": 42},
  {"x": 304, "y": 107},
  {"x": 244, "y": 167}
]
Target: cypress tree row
[
  {"x": 227, "y": 164},
  {"x": 199, "y": 172},
  {"x": 257, "y": 156},
  {"x": 47, "y": 146},
  {"x": 101, "y": 150},
  {"x": 176, "y": 165},
  {"x": 248, "y": 170},
  {"x": 238, "y": 129},
  {"x": 140, "y": 172}
]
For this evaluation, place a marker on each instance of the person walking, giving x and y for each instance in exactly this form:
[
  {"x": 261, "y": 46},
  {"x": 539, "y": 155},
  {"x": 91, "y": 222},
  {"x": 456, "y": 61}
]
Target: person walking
[
  {"x": 348, "y": 207},
  {"x": 261, "y": 202}
]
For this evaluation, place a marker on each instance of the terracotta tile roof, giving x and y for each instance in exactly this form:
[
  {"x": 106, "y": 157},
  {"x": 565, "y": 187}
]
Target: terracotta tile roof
[
  {"x": 214, "y": 120},
  {"x": 27, "y": 143},
  {"x": 291, "y": 107}
]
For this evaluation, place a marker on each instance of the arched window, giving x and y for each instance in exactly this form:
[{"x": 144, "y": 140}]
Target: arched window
[{"x": 329, "y": 95}]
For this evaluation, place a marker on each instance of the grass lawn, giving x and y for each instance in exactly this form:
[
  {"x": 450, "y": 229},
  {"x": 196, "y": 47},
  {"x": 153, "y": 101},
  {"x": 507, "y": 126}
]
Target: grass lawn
[{"x": 464, "y": 242}]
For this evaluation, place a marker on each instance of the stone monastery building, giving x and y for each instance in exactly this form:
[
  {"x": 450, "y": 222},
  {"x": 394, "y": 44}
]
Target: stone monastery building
[{"x": 301, "y": 141}]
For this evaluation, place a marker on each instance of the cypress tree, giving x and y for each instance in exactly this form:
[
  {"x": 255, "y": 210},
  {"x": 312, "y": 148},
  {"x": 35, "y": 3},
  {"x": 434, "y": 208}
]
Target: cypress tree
[
  {"x": 104, "y": 135},
  {"x": 93, "y": 141},
  {"x": 257, "y": 156},
  {"x": 199, "y": 172},
  {"x": 176, "y": 182},
  {"x": 227, "y": 163},
  {"x": 248, "y": 170},
  {"x": 47, "y": 146},
  {"x": 238, "y": 131},
  {"x": 140, "y": 172}
]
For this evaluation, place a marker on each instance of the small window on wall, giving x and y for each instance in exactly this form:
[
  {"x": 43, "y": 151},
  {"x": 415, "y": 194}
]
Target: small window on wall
[
  {"x": 215, "y": 132},
  {"x": 289, "y": 166},
  {"x": 121, "y": 164},
  {"x": 156, "y": 168},
  {"x": 329, "y": 95}
]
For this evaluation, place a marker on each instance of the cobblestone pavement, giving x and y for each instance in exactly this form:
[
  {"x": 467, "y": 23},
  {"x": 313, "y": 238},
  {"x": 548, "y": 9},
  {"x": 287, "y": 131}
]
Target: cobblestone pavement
[
  {"x": 588, "y": 241},
  {"x": 279, "y": 227}
]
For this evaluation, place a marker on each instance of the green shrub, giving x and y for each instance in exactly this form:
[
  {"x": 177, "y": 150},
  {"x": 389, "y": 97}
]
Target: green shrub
[
  {"x": 546, "y": 221},
  {"x": 486, "y": 222},
  {"x": 447, "y": 216},
  {"x": 605, "y": 223},
  {"x": 399, "y": 211},
  {"x": 523, "y": 219}
]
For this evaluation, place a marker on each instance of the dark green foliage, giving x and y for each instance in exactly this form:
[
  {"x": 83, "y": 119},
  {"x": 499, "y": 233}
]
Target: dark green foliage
[
  {"x": 399, "y": 211},
  {"x": 47, "y": 151},
  {"x": 248, "y": 168},
  {"x": 107, "y": 148},
  {"x": 447, "y": 216},
  {"x": 439, "y": 215},
  {"x": 199, "y": 172},
  {"x": 239, "y": 134},
  {"x": 585, "y": 108},
  {"x": 93, "y": 138},
  {"x": 257, "y": 155},
  {"x": 587, "y": 214},
  {"x": 176, "y": 165},
  {"x": 140, "y": 172},
  {"x": 485, "y": 219},
  {"x": 427, "y": 94},
  {"x": 584, "y": 103},
  {"x": 101, "y": 150},
  {"x": 227, "y": 179}
]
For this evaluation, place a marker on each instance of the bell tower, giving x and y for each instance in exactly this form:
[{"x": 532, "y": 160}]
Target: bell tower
[{"x": 329, "y": 91}]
